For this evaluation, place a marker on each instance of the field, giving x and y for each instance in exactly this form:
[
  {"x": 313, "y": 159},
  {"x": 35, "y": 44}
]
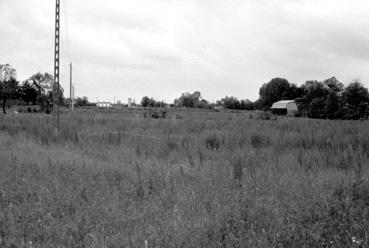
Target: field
[{"x": 202, "y": 179}]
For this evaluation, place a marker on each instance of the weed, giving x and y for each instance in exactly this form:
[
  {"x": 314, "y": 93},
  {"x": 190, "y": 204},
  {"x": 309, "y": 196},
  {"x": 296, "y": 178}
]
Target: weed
[
  {"x": 117, "y": 180},
  {"x": 212, "y": 142},
  {"x": 258, "y": 140}
]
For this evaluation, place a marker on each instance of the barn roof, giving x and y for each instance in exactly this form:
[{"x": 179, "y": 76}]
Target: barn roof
[{"x": 281, "y": 104}]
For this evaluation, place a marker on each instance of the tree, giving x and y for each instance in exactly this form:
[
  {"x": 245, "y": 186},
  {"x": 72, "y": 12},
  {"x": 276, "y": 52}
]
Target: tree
[
  {"x": 277, "y": 89},
  {"x": 145, "y": 101},
  {"x": 321, "y": 99},
  {"x": 188, "y": 100},
  {"x": 151, "y": 102},
  {"x": 247, "y": 105},
  {"x": 356, "y": 101},
  {"x": 333, "y": 105},
  {"x": 81, "y": 101},
  {"x": 313, "y": 103},
  {"x": 202, "y": 104},
  {"x": 42, "y": 83},
  {"x": 230, "y": 103},
  {"x": 8, "y": 84},
  {"x": 28, "y": 93},
  {"x": 333, "y": 84}
]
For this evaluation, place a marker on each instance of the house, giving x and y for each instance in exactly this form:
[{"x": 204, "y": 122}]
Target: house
[
  {"x": 218, "y": 108},
  {"x": 104, "y": 105},
  {"x": 285, "y": 107}
]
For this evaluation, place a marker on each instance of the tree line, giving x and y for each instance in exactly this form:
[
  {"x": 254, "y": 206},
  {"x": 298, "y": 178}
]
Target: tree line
[
  {"x": 36, "y": 90},
  {"x": 327, "y": 99}
]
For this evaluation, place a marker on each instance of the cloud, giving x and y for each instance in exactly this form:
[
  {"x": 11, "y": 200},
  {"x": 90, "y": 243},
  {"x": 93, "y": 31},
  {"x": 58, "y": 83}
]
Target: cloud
[{"x": 166, "y": 47}]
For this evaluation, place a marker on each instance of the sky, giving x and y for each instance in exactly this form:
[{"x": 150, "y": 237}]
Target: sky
[{"x": 162, "y": 48}]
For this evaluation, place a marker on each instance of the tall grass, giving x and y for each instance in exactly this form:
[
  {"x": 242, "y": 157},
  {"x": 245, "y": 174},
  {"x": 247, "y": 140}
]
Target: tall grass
[{"x": 207, "y": 180}]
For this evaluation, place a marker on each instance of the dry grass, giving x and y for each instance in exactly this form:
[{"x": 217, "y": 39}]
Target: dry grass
[{"x": 207, "y": 180}]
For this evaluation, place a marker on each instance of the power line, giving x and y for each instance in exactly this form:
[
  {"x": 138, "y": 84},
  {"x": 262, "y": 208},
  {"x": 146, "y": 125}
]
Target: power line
[{"x": 67, "y": 24}]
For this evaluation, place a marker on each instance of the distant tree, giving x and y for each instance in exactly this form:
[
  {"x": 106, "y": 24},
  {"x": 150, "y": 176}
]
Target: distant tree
[
  {"x": 28, "y": 93},
  {"x": 333, "y": 105},
  {"x": 333, "y": 84},
  {"x": 356, "y": 101},
  {"x": 158, "y": 104},
  {"x": 145, "y": 102},
  {"x": 333, "y": 101},
  {"x": 196, "y": 95},
  {"x": 43, "y": 84},
  {"x": 321, "y": 99},
  {"x": 313, "y": 102},
  {"x": 81, "y": 101},
  {"x": 258, "y": 104},
  {"x": 8, "y": 84},
  {"x": 247, "y": 105},
  {"x": 188, "y": 100},
  {"x": 151, "y": 102},
  {"x": 230, "y": 103},
  {"x": 202, "y": 104},
  {"x": 278, "y": 89}
]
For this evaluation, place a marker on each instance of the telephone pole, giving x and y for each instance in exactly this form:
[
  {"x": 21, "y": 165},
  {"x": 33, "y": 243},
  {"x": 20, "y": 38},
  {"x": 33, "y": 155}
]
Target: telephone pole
[
  {"x": 71, "y": 88},
  {"x": 56, "y": 86}
]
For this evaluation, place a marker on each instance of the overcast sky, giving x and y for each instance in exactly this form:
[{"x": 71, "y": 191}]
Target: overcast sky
[{"x": 162, "y": 48}]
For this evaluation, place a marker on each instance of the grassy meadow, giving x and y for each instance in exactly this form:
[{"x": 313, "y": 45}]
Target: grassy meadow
[{"x": 196, "y": 179}]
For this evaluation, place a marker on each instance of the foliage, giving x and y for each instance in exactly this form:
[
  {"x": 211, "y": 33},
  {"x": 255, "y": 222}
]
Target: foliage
[
  {"x": 230, "y": 103},
  {"x": 29, "y": 93},
  {"x": 42, "y": 82},
  {"x": 81, "y": 101},
  {"x": 333, "y": 84},
  {"x": 8, "y": 84},
  {"x": 212, "y": 142},
  {"x": 278, "y": 89},
  {"x": 247, "y": 105},
  {"x": 151, "y": 102},
  {"x": 233, "y": 103},
  {"x": 188, "y": 100},
  {"x": 38, "y": 89},
  {"x": 313, "y": 102},
  {"x": 329, "y": 99},
  {"x": 355, "y": 101}
]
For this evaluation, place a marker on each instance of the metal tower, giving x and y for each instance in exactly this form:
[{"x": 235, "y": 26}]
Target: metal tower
[{"x": 56, "y": 85}]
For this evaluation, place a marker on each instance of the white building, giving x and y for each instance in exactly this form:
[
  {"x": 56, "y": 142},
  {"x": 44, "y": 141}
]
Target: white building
[
  {"x": 286, "y": 107},
  {"x": 104, "y": 105}
]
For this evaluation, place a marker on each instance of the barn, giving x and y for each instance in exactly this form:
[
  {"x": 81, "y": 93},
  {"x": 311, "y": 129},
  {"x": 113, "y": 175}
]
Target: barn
[{"x": 286, "y": 107}]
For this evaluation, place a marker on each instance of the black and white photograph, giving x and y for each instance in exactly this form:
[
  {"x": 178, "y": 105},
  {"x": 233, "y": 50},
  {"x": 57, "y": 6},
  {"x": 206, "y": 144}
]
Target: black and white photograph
[{"x": 184, "y": 123}]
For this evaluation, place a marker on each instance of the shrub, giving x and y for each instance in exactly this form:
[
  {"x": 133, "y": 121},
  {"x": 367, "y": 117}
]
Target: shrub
[
  {"x": 212, "y": 142},
  {"x": 266, "y": 116},
  {"x": 258, "y": 141}
]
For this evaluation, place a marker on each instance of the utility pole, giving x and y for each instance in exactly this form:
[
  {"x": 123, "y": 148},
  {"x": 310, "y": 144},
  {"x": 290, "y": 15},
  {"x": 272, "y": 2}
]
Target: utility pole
[
  {"x": 71, "y": 88},
  {"x": 56, "y": 86}
]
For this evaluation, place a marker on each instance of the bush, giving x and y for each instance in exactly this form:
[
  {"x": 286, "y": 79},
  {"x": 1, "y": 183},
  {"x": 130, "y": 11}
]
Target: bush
[
  {"x": 266, "y": 116},
  {"x": 258, "y": 141},
  {"x": 212, "y": 142}
]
